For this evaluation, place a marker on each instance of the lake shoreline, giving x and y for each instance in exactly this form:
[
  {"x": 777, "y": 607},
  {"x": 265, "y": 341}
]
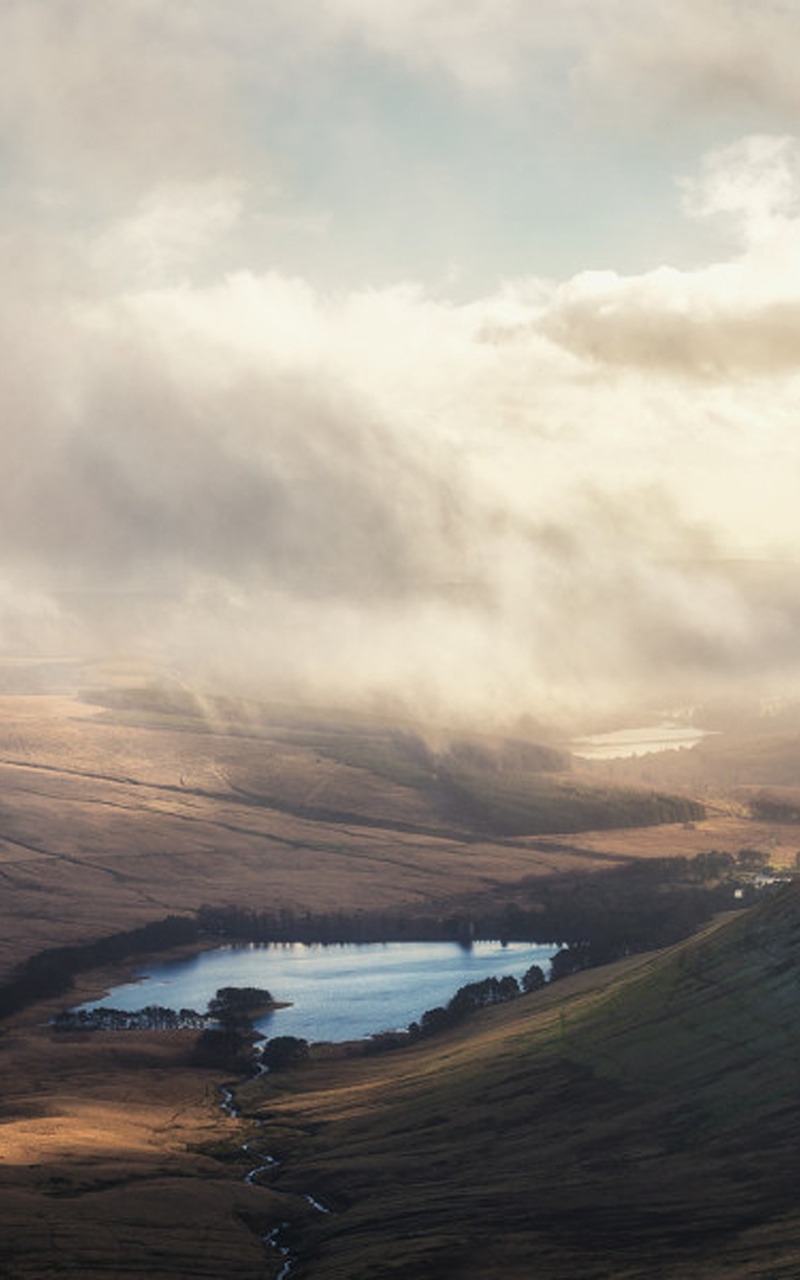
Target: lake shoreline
[{"x": 326, "y": 993}]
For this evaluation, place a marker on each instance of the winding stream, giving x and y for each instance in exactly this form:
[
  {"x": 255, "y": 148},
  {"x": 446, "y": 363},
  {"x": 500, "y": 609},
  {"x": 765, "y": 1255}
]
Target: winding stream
[
  {"x": 338, "y": 992},
  {"x": 272, "y": 1240}
]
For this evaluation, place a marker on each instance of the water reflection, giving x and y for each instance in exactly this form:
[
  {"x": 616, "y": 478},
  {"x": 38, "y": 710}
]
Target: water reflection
[{"x": 340, "y": 992}]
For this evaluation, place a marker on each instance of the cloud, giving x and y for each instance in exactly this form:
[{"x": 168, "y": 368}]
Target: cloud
[
  {"x": 734, "y": 318},
  {"x": 169, "y": 231},
  {"x": 106, "y": 94},
  {"x": 535, "y": 498},
  {"x": 482, "y": 45},
  {"x": 666, "y": 321},
  {"x": 382, "y": 495},
  {"x": 693, "y": 57},
  {"x": 755, "y": 181},
  {"x": 107, "y": 98}
]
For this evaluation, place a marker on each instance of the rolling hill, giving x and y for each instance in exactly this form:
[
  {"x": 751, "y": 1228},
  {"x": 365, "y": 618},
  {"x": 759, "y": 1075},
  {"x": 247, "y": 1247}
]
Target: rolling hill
[
  {"x": 125, "y": 805},
  {"x": 632, "y": 1121},
  {"x": 635, "y": 1122}
]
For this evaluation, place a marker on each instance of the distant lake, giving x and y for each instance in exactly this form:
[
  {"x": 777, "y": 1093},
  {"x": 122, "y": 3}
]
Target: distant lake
[
  {"x": 637, "y": 742},
  {"x": 338, "y": 993}
]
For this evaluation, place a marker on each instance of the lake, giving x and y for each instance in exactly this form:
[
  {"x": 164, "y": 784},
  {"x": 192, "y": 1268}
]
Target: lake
[
  {"x": 623, "y": 743},
  {"x": 340, "y": 992}
]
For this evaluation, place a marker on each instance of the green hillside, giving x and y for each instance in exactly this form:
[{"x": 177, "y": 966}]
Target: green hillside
[{"x": 638, "y": 1121}]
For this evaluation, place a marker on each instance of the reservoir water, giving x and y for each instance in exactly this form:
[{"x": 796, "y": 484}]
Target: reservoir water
[
  {"x": 623, "y": 743},
  {"x": 340, "y": 992}
]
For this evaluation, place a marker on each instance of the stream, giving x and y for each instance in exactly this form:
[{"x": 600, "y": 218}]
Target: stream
[
  {"x": 338, "y": 992},
  {"x": 272, "y": 1240}
]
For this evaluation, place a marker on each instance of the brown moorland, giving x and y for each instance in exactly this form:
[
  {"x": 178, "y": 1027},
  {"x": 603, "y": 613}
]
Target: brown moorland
[
  {"x": 112, "y": 817},
  {"x": 115, "y": 1157}
]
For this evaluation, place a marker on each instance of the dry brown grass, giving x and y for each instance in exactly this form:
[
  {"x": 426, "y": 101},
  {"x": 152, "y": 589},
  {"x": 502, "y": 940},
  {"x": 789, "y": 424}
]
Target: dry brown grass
[
  {"x": 102, "y": 1170},
  {"x": 105, "y": 825},
  {"x": 727, "y": 829}
]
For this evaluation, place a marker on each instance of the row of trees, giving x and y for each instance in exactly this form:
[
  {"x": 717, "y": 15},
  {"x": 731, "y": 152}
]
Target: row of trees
[
  {"x": 637, "y": 906},
  {"x": 476, "y": 995},
  {"x": 230, "y": 1011},
  {"x": 153, "y": 1017},
  {"x": 284, "y": 1052},
  {"x": 51, "y": 972},
  {"x": 330, "y": 927},
  {"x": 599, "y": 916}
]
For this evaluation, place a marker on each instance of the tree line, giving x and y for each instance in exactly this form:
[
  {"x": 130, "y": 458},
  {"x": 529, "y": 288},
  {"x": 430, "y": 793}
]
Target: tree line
[
  {"x": 638, "y": 906},
  {"x": 284, "y": 1052},
  {"x": 598, "y": 916},
  {"x": 282, "y": 924},
  {"x": 52, "y": 972},
  {"x": 476, "y": 995},
  {"x": 153, "y": 1017}
]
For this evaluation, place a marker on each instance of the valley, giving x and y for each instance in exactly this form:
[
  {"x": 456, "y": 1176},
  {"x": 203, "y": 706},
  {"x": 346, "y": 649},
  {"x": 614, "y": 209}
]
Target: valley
[
  {"x": 112, "y": 818},
  {"x": 636, "y": 1109}
]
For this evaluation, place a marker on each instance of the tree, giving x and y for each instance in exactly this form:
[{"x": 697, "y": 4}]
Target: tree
[
  {"x": 752, "y": 859},
  {"x": 434, "y": 1020},
  {"x": 507, "y": 988},
  {"x": 533, "y": 979},
  {"x": 232, "y": 1002},
  {"x": 569, "y": 960},
  {"x": 282, "y": 1052}
]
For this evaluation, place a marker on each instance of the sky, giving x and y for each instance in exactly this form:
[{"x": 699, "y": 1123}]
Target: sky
[{"x": 439, "y": 356}]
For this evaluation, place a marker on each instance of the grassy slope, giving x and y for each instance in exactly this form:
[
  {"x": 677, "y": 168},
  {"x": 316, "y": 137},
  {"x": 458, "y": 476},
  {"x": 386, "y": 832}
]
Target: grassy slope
[
  {"x": 638, "y": 1121},
  {"x": 582, "y": 1133},
  {"x": 466, "y": 1157},
  {"x": 104, "y": 826},
  {"x": 756, "y": 754}
]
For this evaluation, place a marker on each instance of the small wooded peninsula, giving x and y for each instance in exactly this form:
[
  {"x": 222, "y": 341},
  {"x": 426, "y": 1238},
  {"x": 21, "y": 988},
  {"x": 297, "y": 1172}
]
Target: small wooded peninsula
[{"x": 230, "y": 1005}]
